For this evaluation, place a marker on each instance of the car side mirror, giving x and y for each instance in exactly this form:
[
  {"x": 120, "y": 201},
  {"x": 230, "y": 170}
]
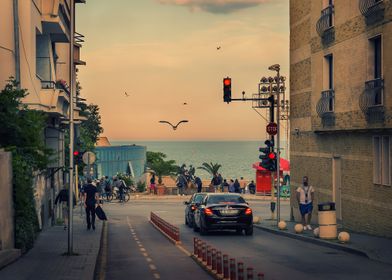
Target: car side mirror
[{"x": 186, "y": 202}]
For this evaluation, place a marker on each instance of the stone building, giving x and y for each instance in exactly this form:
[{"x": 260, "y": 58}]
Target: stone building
[
  {"x": 341, "y": 108},
  {"x": 35, "y": 49}
]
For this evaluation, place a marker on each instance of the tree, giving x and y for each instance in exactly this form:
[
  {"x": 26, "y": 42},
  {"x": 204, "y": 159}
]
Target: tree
[
  {"x": 91, "y": 128},
  {"x": 211, "y": 168},
  {"x": 156, "y": 162},
  {"x": 22, "y": 133}
]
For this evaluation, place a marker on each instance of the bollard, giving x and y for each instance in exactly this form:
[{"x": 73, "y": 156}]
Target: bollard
[
  {"x": 204, "y": 252},
  {"x": 195, "y": 245},
  {"x": 225, "y": 266},
  {"x": 219, "y": 262},
  {"x": 249, "y": 273},
  {"x": 233, "y": 275},
  {"x": 209, "y": 256},
  {"x": 240, "y": 270},
  {"x": 213, "y": 261},
  {"x": 260, "y": 276},
  {"x": 200, "y": 249}
]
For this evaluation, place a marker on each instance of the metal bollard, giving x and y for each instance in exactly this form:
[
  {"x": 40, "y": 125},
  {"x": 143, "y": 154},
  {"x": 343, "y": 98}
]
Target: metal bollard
[
  {"x": 213, "y": 261},
  {"x": 225, "y": 266},
  {"x": 240, "y": 270},
  {"x": 209, "y": 256},
  {"x": 260, "y": 276},
  {"x": 233, "y": 273},
  {"x": 219, "y": 262},
  {"x": 204, "y": 253},
  {"x": 199, "y": 249},
  {"x": 195, "y": 245},
  {"x": 249, "y": 273}
]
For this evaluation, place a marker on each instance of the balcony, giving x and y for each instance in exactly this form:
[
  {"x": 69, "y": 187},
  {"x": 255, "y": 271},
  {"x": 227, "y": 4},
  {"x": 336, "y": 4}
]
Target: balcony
[
  {"x": 372, "y": 10},
  {"x": 326, "y": 107},
  {"x": 56, "y": 20},
  {"x": 324, "y": 25},
  {"x": 79, "y": 39},
  {"x": 371, "y": 101},
  {"x": 54, "y": 97}
]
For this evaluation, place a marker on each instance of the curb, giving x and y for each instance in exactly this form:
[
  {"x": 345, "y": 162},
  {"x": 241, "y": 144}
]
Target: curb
[
  {"x": 206, "y": 269},
  {"x": 164, "y": 233},
  {"x": 314, "y": 241},
  {"x": 100, "y": 265}
]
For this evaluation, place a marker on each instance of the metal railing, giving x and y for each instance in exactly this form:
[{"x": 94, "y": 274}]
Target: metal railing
[
  {"x": 369, "y": 8},
  {"x": 326, "y": 104},
  {"x": 371, "y": 100},
  {"x": 325, "y": 21}
]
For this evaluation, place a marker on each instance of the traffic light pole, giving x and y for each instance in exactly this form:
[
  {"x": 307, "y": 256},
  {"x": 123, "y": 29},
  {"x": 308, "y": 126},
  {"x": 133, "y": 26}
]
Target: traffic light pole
[{"x": 278, "y": 148}]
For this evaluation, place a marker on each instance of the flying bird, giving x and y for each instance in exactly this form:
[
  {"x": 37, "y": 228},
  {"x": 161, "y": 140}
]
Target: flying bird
[
  {"x": 174, "y": 126},
  {"x": 218, "y": 48},
  {"x": 126, "y": 94},
  {"x": 185, "y": 103}
]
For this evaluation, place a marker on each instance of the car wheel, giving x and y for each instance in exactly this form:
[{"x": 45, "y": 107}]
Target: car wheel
[
  {"x": 249, "y": 231},
  {"x": 186, "y": 221},
  {"x": 239, "y": 231},
  {"x": 203, "y": 230}
]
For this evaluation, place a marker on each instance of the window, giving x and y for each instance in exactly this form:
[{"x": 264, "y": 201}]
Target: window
[
  {"x": 328, "y": 82},
  {"x": 382, "y": 160},
  {"x": 375, "y": 82}
]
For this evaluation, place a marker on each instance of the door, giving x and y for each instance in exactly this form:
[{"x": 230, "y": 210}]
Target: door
[{"x": 337, "y": 185}]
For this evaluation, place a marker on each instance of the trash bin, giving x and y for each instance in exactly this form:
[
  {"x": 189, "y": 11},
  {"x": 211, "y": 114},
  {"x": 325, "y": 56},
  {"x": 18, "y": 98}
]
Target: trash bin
[{"x": 327, "y": 220}]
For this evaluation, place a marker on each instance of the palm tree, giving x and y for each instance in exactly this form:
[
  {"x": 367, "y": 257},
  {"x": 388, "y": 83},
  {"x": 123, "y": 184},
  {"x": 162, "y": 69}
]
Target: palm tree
[
  {"x": 211, "y": 168},
  {"x": 164, "y": 168}
]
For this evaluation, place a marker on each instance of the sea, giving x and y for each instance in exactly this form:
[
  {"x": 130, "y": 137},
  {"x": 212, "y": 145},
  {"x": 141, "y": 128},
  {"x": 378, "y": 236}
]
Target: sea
[{"x": 235, "y": 157}]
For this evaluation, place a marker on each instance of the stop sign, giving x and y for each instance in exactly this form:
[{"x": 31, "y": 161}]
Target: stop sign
[{"x": 272, "y": 128}]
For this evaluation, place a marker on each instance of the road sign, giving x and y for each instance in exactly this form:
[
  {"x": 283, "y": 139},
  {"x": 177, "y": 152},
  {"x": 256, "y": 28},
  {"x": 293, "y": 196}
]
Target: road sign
[
  {"x": 87, "y": 171},
  {"x": 89, "y": 158},
  {"x": 272, "y": 128}
]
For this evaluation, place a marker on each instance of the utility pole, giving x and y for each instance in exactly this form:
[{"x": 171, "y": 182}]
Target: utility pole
[
  {"x": 16, "y": 42},
  {"x": 71, "y": 129}
]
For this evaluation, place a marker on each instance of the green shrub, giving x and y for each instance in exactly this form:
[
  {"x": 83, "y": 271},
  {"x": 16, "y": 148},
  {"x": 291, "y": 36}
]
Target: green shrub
[{"x": 141, "y": 186}]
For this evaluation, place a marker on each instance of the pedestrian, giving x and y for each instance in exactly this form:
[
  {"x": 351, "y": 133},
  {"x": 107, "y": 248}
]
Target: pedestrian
[
  {"x": 108, "y": 187},
  {"x": 181, "y": 184},
  {"x": 252, "y": 187},
  {"x": 63, "y": 199},
  {"x": 231, "y": 186},
  {"x": 237, "y": 186},
  {"x": 215, "y": 182},
  {"x": 152, "y": 184},
  {"x": 90, "y": 199},
  {"x": 242, "y": 185},
  {"x": 225, "y": 186},
  {"x": 199, "y": 184},
  {"x": 305, "y": 197}
]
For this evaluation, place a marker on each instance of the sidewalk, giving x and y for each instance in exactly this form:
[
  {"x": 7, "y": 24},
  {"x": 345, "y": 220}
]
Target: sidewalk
[
  {"x": 375, "y": 248},
  {"x": 46, "y": 259}
]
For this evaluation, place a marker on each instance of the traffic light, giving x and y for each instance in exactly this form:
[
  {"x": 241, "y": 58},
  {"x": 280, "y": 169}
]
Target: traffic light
[
  {"x": 78, "y": 157},
  {"x": 227, "y": 89},
  {"x": 268, "y": 156}
]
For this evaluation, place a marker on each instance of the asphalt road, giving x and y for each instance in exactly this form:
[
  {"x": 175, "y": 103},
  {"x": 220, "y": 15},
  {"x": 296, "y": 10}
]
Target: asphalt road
[{"x": 278, "y": 257}]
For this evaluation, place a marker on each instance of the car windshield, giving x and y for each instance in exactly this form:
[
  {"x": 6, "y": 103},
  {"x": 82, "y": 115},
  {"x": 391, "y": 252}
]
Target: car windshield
[
  {"x": 198, "y": 198},
  {"x": 225, "y": 199}
]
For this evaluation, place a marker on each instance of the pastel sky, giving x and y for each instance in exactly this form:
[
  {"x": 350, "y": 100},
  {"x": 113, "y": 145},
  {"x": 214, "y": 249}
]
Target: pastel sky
[{"x": 164, "y": 53}]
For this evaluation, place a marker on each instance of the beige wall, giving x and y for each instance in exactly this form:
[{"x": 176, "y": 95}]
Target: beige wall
[
  {"x": 6, "y": 202},
  {"x": 365, "y": 206}
]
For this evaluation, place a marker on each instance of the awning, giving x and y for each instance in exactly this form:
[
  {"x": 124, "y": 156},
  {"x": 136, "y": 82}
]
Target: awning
[{"x": 284, "y": 165}]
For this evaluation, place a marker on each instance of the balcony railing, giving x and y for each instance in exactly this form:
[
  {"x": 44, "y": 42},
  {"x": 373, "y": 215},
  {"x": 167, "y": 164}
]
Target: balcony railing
[
  {"x": 371, "y": 101},
  {"x": 326, "y": 107},
  {"x": 373, "y": 10},
  {"x": 325, "y": 21}
]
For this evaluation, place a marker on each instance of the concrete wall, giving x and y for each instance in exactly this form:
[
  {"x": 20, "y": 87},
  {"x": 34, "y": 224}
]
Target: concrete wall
[
  {"x": 6, "y": 202},
  {"x": 339, "y": 158}
]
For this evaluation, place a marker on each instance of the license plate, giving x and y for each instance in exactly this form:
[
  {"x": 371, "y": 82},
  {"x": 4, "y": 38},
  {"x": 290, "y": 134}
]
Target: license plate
[{"x": 229, "y": 212}]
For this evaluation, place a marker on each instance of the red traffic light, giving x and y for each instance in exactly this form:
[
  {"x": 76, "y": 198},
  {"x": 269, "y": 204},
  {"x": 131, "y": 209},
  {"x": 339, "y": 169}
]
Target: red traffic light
[
  {"x": 271, "y": 155},
  {"x": 76, "y": 153},
  {"x": 227, "y": 81}
]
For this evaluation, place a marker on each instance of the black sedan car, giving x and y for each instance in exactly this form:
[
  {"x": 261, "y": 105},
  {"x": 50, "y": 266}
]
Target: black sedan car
[
  {"x": 219, "y": 211},
  {"x": 191, "y": 205}
]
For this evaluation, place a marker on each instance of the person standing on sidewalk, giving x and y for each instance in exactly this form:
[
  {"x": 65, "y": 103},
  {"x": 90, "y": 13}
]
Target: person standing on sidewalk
[
  {"x": 62, "y": 198},
  {"x": 152, "y": 184},
  {"x": 199, "y": 184},
  {"x": 305, "y": 197},
  {"x": 90, "y": 199}
]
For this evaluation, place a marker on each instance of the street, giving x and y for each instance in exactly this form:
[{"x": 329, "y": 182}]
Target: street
[{"x": 136, "y": 248}]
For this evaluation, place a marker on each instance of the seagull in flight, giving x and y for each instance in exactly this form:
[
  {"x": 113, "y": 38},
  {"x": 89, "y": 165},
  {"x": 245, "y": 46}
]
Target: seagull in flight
[
  {"x": 174, "y": 126},
  {"x": 126, "y": 94},
  {"x": 218, "y": 48},
  {"x": 185, "y": 103}
]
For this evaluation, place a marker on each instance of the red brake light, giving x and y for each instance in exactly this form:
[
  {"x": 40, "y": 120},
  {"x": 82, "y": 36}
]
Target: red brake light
[
  {"x": 208, "y": 211},
  {"x": 248, "y": 211},
  {"x": 193, "y": 207}
]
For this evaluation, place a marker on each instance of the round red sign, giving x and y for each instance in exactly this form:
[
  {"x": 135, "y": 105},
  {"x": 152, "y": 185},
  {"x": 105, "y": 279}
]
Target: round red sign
[{"x": 272, "y": 128}]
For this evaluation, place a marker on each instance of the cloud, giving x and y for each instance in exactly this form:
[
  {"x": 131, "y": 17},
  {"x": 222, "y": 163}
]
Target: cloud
[{"x": 215, "y": 6}]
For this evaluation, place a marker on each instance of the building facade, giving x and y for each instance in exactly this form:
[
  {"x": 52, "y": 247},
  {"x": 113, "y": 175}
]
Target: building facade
[
  {"x": 341, "y": 108},
  {"x": 35, "y": 50}
]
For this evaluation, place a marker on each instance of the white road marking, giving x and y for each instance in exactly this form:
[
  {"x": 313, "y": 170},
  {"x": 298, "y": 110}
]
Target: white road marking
[
  {"x": 157, "y": 276},
  {"x": 149, "y": 259},
  {"x": 142, "y": 249},
  {"x": 153, "y": 267}
]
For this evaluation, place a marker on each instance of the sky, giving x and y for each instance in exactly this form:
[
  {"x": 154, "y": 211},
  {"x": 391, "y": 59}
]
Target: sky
[{"x": 163, "y": 53}]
